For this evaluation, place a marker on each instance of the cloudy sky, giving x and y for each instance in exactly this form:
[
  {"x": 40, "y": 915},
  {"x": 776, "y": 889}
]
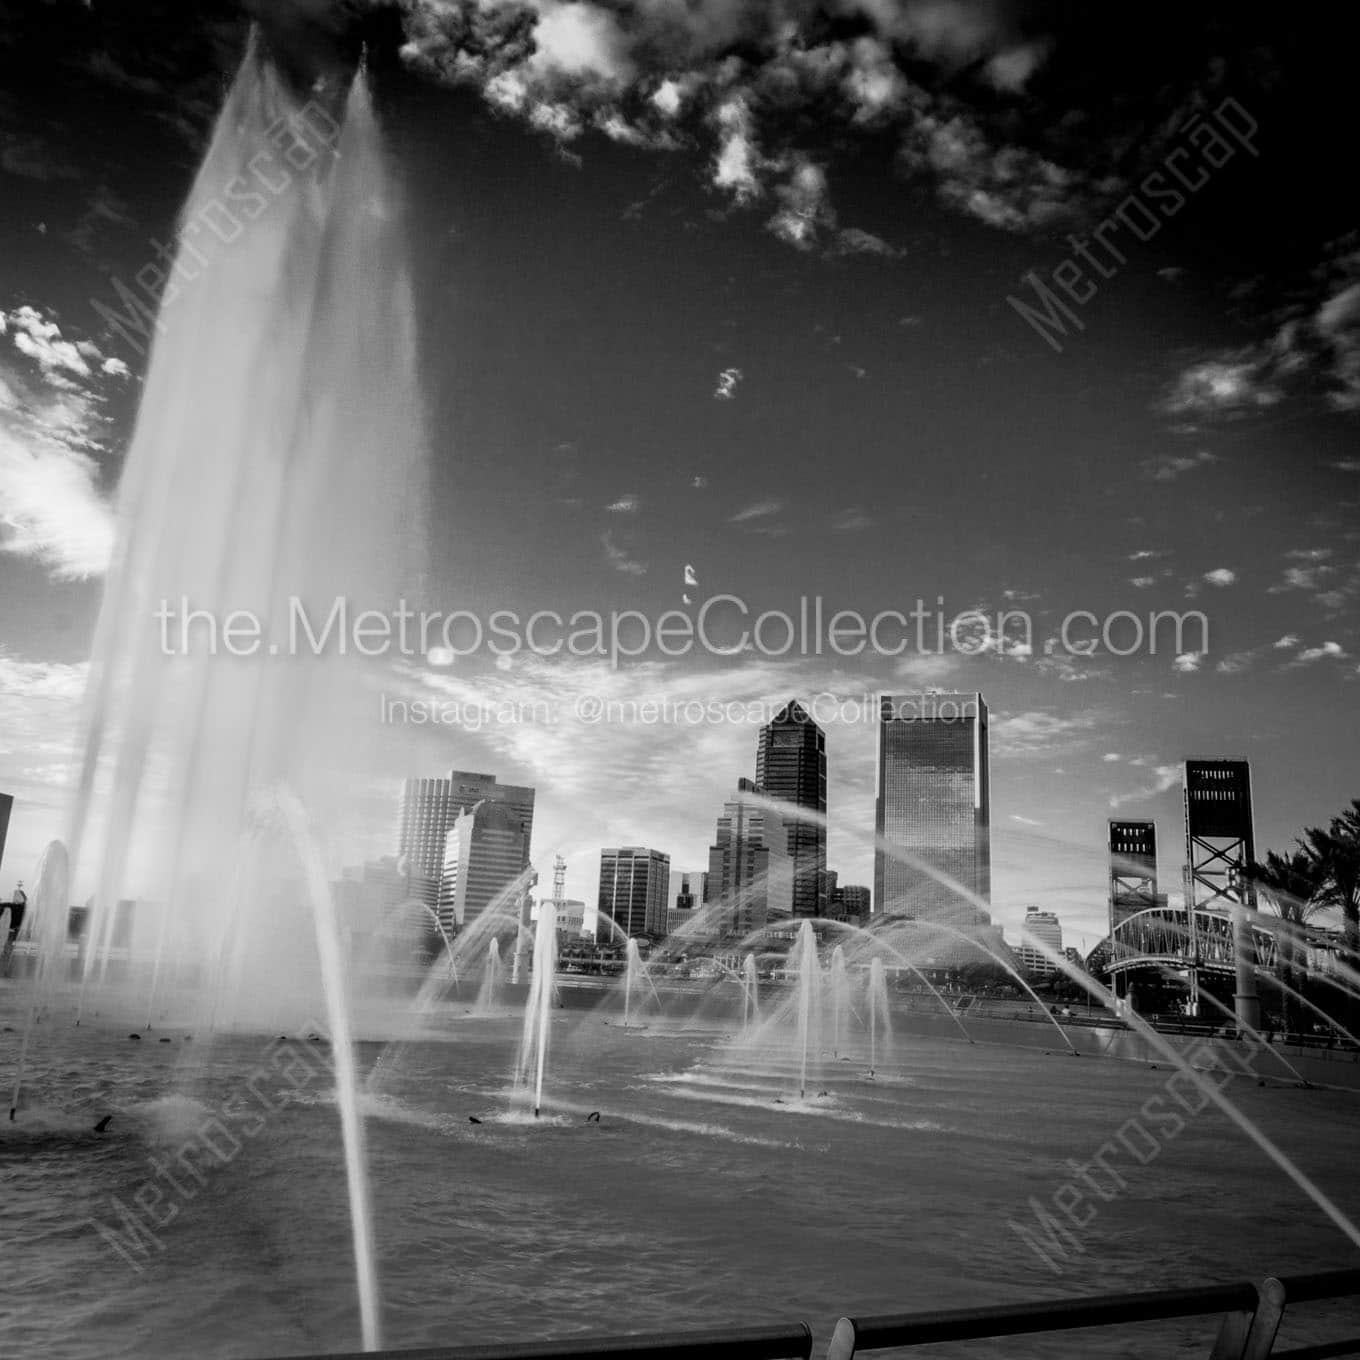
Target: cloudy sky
[{"x": 1000, "y": 304}]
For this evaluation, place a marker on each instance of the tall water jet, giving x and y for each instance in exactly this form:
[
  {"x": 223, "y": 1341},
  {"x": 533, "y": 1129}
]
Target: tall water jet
[
  {"x": 807, "y": 972},
  {"x": 533, "y": 1047},
  {"x": 750, "y": 993},
  {"x": 280, "y": 411},
  {"x": 44, "y": 925},
  {"x": 840, "y": 998},
  {"x": 346, "y": 1077},
  {"x": 877, "y": 1004},
  {"x": 634, "y": 975},
  {"x": 273, "y": 487},
  {"x": 491, "y": 975}
]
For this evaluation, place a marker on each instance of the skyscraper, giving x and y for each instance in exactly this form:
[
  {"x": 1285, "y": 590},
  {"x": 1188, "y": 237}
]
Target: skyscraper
[
  {"x": 934, "y": 806},
  {"x": 486, "y": 853},
  {"x": 429, "y": 808},
  {"x": 1041, "y": 927},
  {"x": 791, "y": 767},
  {"x": 634, "y": 887},
  {"x": 750, "y": 872}
]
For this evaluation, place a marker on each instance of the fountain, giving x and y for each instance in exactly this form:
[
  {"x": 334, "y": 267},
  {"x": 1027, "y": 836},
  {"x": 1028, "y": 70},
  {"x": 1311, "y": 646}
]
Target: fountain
[
  {"x": 750, "y": 994},
  {"x": 44, "y": 925},
  {"x": 876, "y": 1003},
  {"x": 840, "y": 998},
  {"x": 533, "y": 1048},
  {"x": 491, "y": 974},
  {"x": 275, "y": 433},
  {"x": 808, "y": 974}
]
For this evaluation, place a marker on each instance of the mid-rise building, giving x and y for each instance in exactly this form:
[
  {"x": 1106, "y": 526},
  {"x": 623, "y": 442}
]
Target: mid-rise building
[
  {"x": 750, "y": 871},
  {"x": 634, "y": 883},
  {"x": 933, "y": 809},
  {"x": 485, "y": 864},
  {"x": 571, "y": 917},
  {"x": 429, "y": 808},
  {"x": 791, "y": 768},
  {"x": 1041, "y": 927},
  {"x": 851, "y": 903}
]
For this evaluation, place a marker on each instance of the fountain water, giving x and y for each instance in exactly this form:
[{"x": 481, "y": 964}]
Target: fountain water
[
  {"x": 635, "y": 974},
  {"x": 491, "y": 975},
  {"x": 533, "y": 1048},
  {"x": 279, "y": 426},
  {"x": 750, "y": 997},
  {"x": 809, "y": 976},
  {"x": 840, "y": 998},
  {"x": 877, "y": 1005},
  {"x": 45, "y": 925}
]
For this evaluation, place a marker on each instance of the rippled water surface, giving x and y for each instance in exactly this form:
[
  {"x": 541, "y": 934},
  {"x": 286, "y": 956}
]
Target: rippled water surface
[{"x": 705, "y": 1193}]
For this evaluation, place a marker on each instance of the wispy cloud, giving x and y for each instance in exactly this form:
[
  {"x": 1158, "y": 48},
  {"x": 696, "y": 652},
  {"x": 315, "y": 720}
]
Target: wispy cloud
[
  {"x": 1168, "y": 466},
  {"x": 757, "y": 511},
  {"x": 621, "y": 560},
  {"x": 726, "y": 388},
  {"x": 1165, "y": 778},
  {"x": 54, "y": 437}
]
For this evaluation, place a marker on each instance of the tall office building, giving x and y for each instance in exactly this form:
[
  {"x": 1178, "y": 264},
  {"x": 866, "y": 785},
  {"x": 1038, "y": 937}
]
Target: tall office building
[
  {"x": 791, "y": 767},
  {"x": 934, "y": 805},
  {"x": 429, "y": 808},
  {"x": 486, "y": 854},
  {"x": 634, "y": 887},
  {"x": 1044, "y": 927},
  {"x": 750, "y": 871}
]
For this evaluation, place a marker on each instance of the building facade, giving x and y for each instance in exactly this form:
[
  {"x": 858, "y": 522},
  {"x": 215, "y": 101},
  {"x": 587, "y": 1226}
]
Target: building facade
[
  {"x": 852, "y": 903},
  {"x": 750, "y": 871},
  {"x": 485, "y": 864},
  {"x": 1044, "y": 928},
  {"x": 933, "y": 805},
  {"x": 791, "y": 768},
  {"x": 429, "y": 808},
  {"x": 634, "y": 888}
]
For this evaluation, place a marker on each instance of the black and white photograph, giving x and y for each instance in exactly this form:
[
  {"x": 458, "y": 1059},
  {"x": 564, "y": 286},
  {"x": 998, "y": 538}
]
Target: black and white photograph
[{"x": 679, "y": 679}]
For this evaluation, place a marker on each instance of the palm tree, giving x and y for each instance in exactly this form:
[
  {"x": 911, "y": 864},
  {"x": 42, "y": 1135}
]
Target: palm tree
[
  {"x": 1335, "y": 852},
  {"x": 1292, "y": 885}
]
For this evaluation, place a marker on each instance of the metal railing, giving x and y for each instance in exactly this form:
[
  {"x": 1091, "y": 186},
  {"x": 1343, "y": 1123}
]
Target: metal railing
[
  {"x": 1250, "y": 1317},
  {"x": 1250, "y": 1313}
]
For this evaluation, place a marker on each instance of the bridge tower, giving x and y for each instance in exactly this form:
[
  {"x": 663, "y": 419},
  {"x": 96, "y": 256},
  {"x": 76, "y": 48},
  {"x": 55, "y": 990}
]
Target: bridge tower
[
  {"x": 1133, "y": 883},
  {"x": 1220, "y": 845}
]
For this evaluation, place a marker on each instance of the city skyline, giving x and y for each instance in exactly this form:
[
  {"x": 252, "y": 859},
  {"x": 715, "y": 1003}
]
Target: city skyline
[{"x": 1189, "y": 446}]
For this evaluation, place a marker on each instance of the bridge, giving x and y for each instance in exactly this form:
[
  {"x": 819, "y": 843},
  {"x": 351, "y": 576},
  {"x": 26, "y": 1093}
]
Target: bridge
[{"x": 1160, "y": 938}]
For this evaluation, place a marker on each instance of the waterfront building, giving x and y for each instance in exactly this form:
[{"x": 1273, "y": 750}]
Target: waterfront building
[
  {"x": 934, "y": 806},
  {"x": 634, "y": 883},
  {"x": 429, "y": 808},
  {"x": 750, "y": 871},
  {"x": 791, "y": 768},
  {"x": 485, "y": 863}
]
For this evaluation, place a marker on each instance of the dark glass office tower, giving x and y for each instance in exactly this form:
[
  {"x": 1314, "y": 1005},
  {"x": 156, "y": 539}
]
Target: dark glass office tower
[
  {"x": 791, "y": 767},
  {"x": 934, "y": 806}
]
